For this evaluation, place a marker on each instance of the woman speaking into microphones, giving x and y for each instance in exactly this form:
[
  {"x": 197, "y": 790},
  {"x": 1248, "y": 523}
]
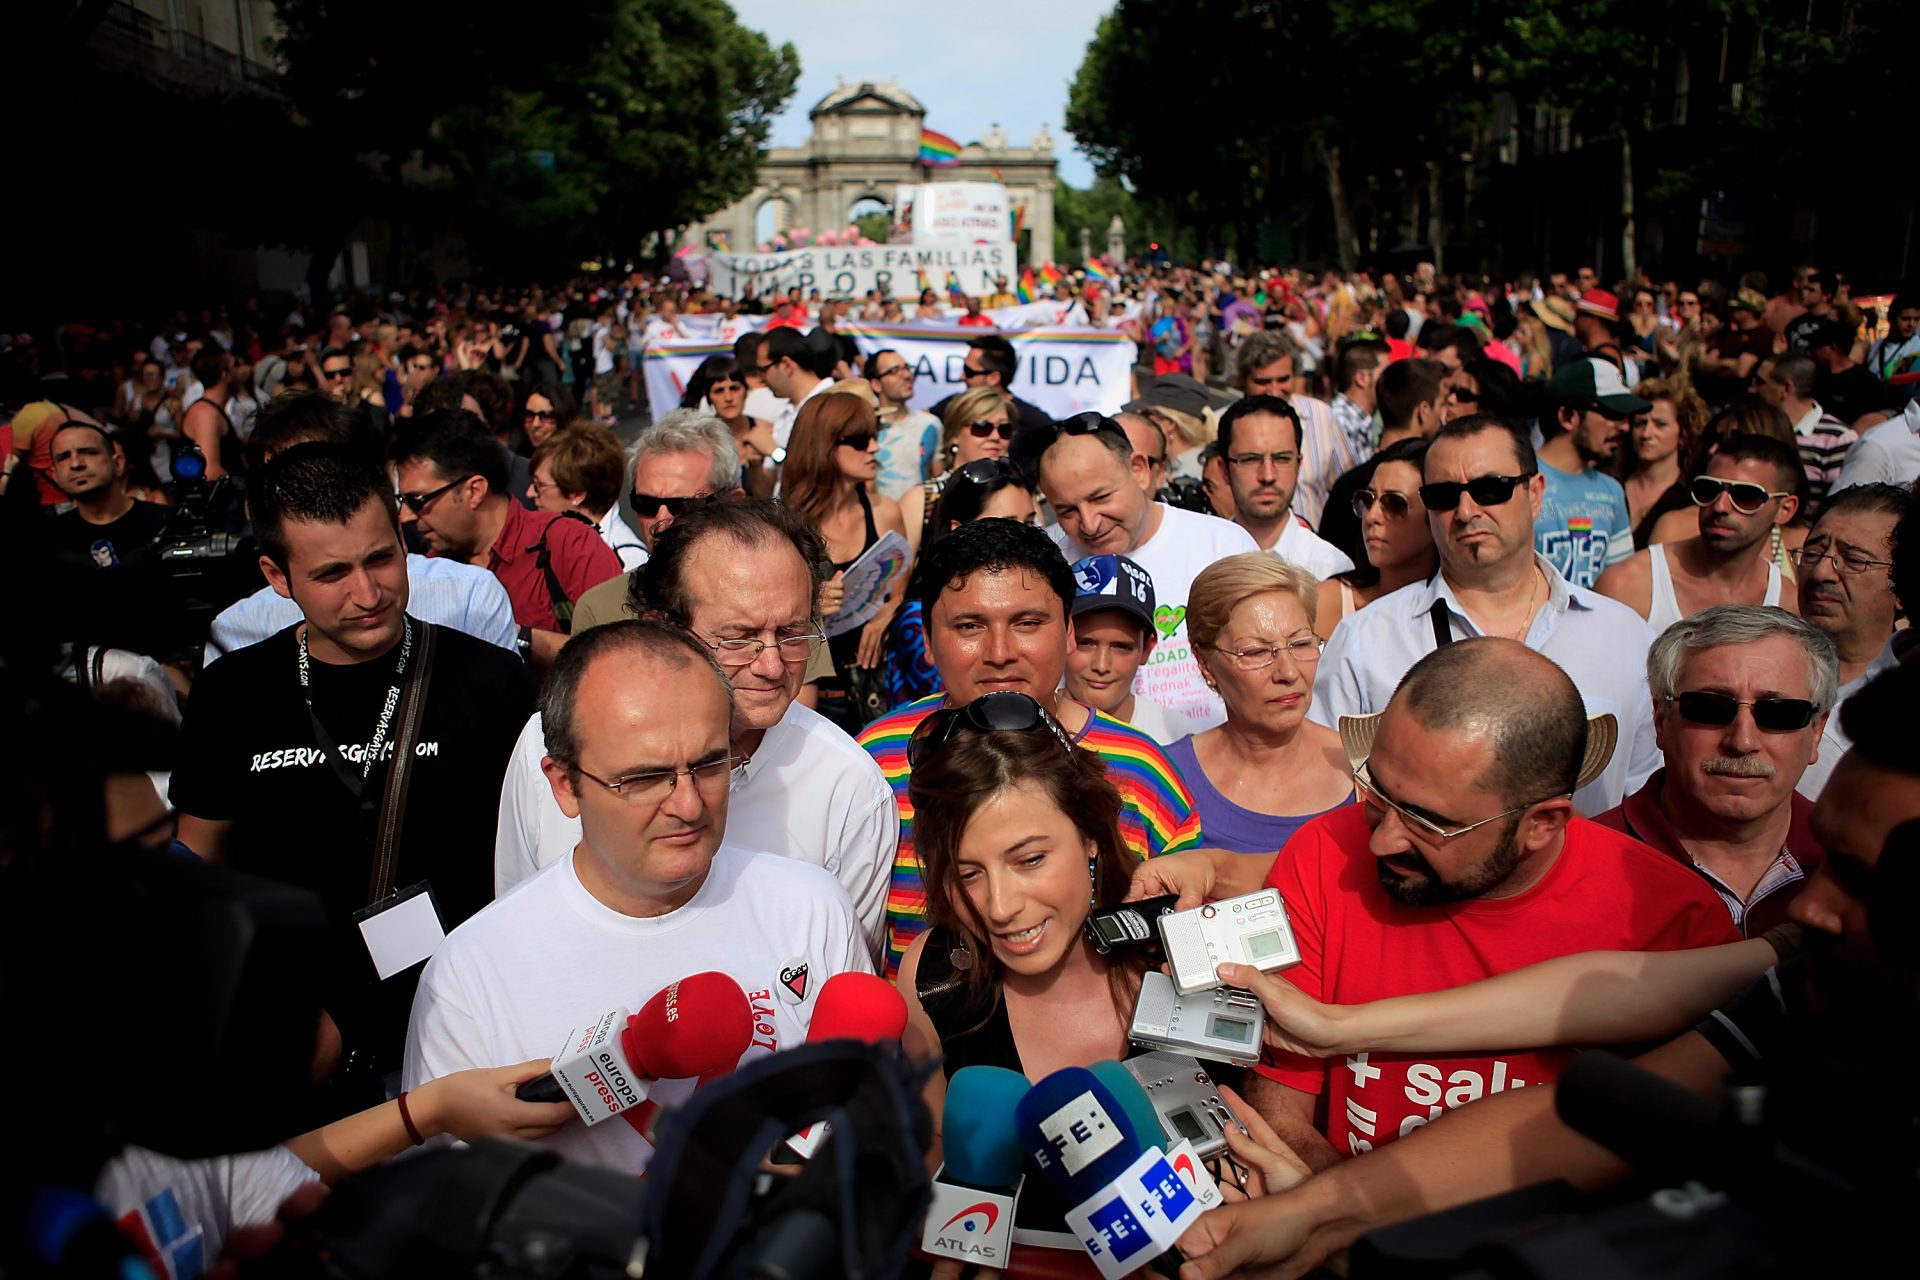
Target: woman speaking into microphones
[{"x": 1018, "y": 834}]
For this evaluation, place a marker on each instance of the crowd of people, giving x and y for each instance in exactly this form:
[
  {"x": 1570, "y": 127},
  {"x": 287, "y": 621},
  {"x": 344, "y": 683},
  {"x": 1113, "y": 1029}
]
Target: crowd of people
[{"x": 1545, "y": 651}]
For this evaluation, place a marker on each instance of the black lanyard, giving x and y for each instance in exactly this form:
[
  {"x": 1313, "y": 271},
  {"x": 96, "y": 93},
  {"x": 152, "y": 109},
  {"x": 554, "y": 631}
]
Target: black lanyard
[{"x": 357, "y": 784}]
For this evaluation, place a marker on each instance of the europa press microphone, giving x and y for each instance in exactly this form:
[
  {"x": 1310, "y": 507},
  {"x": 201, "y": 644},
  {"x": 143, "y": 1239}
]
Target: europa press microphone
[
  {"x": 850, "y": 1006},
  {"x": 695, "y": 1027},
  {"x": 974, "y": 1192},
  {"x": 1129, "y": 1205}
]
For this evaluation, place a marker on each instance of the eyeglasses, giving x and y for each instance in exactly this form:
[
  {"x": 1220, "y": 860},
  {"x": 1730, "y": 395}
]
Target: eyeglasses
[
  {"x": 335, "y": 375},
  {"x": 1373, "y": 796},
  {"x": 1689, "y": 302},
  {"x": 988, "y": 427},
  {"x": 1251, "y": 461},
  {"x": 744, "y": 651},
  {"x": 1771, "y": 715},
  {"x": 1391, "y": 503},
  {"x": 425, "y": 366},
  {"x": 859, "y": 441},
  {"x": 1486, "y": 491},
  {"x": 1746, "y": 496},
  {"x": 654, "y": 788},
  {"x": 1460, "y": 395},
  {"x": 1005, "y": 712},
  {"x": 541, "y": 415},
  {"x": 1845, "y": 559},
  {"x": 899, "y": 368},
  {"x": 419, "y": 502},
  {"x": 646, "y": 506},
  {"x": 1303, "y": 652},
  {"x": 968, "y": 371}
]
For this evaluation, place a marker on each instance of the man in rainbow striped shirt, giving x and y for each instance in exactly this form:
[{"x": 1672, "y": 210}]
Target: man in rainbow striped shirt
[{"x": 995, "y": 595}]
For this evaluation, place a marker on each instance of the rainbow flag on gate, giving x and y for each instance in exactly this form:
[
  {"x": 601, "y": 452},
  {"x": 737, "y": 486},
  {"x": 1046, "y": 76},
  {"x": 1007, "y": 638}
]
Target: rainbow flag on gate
[
  {"x": 1050, "y": 274},
  {"x": 1099, "y": 274},
  {"x": 953, "y": 287},
  {"x": 937, "y": 150},
  {"x": 1025, "y": 289}
]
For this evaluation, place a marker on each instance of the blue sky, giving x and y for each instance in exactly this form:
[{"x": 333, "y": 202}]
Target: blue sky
[{"x": 973, "y": 64}]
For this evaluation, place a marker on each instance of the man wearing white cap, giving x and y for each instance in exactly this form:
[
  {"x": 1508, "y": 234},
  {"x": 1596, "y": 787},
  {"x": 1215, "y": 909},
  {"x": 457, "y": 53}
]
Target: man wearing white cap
[{"x": 1584, "y": 526}]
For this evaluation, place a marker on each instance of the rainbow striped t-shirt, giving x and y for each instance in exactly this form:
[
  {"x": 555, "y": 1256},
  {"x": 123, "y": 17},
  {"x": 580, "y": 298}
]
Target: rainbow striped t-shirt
[{"x": 1156, "y": 809}]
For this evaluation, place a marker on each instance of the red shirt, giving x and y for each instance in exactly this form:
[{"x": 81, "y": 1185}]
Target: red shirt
[
  {"x": 979, "y": 322},
  {"x": 580, "y": 558},
  {"x": 1603, "y": 893}
]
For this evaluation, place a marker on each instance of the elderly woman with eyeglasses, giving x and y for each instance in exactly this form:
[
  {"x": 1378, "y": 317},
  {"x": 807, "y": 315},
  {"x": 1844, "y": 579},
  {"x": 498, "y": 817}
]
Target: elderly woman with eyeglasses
[{"x": 1267, "y": 771}]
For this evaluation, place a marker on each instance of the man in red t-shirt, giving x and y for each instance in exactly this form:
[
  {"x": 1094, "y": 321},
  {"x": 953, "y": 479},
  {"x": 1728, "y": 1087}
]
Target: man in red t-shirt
[
  {"x": 452, "y": 478},
  {"x": 1464, "y": 860}
]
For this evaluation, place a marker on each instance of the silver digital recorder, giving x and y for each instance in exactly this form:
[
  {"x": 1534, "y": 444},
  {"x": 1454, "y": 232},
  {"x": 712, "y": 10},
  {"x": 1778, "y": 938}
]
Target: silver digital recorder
[
  {"x": 1186, "y": 1100},
  {"x": 1251, "y": 930},
  {"x": 1225, "y": 1024}
]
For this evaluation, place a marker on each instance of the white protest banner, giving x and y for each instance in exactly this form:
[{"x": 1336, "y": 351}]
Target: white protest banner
[
  {"x": 901, "y": 270},
  {"x": 963, "y": 211},
  {"x": 1063, "y": 371},
  {"x": 714, "y": 327}
]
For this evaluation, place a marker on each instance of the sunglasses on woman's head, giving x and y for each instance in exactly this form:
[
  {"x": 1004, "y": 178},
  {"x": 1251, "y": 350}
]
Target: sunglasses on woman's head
[
  {"x": 1746, "y": 496},
  {"x": 1486, "y": 491},
  {"x": 1394, "y": 504},
  {"x": 987, "y": 470},
  {"x": 1004, "y": 712}
]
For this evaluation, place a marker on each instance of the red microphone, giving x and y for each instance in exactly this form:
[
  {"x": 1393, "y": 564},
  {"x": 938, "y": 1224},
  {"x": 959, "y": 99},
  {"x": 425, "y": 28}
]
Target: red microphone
[
  {"x": 691, "y": 1032},
  {"x": 698, "y": 1026},
  {"x": 851, "y": 1006},
  {"x": 857, "y": 1006}
]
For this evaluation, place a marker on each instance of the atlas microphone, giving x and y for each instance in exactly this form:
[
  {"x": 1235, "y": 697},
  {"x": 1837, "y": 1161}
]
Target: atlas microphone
[
  {"x": 695, "y": 1027},
  {"x": 971, "y": 1214},
  {"x": 1129, "y": 1205},
  {"x": 851, "y": 1006}
]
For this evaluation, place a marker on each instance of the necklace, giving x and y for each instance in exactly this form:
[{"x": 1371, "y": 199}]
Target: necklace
[{"x": 1526, "y": 618}]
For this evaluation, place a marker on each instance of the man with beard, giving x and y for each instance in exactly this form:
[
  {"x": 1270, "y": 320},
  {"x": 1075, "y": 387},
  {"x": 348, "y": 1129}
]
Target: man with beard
[
  {"x": 1463, "y": 860},
  {"x": 1740, "y": 696},
  {"x": 1819, "y": 1031},
  {"x": 1584, "y": 526},
  {"x": 1746, "y": 492}
]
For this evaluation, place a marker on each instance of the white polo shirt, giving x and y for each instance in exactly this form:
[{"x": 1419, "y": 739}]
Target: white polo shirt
[
  {"x": 1833, "y": 739},
  {"x": 1600, "y": 643},
  {"x": 809, "y": 793},
  {"x": 509, "y": 984},
  {"x": 1297, "y": 544}
]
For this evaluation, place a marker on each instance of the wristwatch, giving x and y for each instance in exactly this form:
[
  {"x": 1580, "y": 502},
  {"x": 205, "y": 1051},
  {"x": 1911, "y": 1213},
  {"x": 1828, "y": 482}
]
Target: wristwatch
[{"x": 525, "y": 644}]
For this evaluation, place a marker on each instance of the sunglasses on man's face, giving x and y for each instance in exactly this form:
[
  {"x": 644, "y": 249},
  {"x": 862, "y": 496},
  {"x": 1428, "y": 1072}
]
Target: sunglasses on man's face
[
  {"x": 646, "y": 506},
  {"x": 419, "y": 502},
  {"x": 335, "y": 375},
  {"x": 1486, "y": 491},
  {"x": 1746, "y": 496},
  {"x": 1717, "y": 710},
  {"x": 1393, "y": 504}
]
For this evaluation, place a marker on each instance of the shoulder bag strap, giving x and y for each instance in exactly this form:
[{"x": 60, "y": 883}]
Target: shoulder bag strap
[
  {"x": 1442, "y": 625},
  {"x": 393, "y": 796}
]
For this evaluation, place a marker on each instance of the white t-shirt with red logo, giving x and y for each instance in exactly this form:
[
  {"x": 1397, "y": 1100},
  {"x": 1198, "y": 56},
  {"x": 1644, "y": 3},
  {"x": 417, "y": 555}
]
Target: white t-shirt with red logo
[
  {"x": 510, "y": 984},
  {"x": 1605, "y": 892}
]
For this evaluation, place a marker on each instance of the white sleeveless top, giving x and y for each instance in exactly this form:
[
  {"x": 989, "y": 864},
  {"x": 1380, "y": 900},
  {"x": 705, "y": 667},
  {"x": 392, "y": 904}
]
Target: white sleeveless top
[{"x": 1665, "y": 610}]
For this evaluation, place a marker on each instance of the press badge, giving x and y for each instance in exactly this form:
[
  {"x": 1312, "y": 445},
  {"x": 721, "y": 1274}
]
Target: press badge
[{"x": 401, "y": 930}]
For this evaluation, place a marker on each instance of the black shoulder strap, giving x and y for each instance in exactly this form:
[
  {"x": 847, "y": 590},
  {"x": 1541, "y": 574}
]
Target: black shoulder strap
[
  {"x": 1442, "y": 624},
  {"x": 393, "y": 798},
  {"x": 543, "y": 558}
]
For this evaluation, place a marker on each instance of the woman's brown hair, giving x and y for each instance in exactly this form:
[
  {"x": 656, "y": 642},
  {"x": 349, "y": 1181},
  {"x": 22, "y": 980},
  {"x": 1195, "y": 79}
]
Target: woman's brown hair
[
  {"x": 809, "y": 478},
  {"x": 949, "y": 784}
]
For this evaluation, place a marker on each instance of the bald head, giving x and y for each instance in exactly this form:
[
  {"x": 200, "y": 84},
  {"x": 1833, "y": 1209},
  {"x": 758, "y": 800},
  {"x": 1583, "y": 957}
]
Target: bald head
[{"x": 1504, "y": 693}]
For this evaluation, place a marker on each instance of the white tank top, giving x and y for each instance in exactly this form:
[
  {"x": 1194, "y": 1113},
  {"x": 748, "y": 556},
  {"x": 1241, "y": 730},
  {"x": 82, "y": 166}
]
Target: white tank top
[{"x": 1665, "y": 609}]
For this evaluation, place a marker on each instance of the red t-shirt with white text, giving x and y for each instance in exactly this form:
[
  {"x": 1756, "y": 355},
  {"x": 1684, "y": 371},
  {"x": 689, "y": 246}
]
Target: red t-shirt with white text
[{"x": 1605, "y": 892}]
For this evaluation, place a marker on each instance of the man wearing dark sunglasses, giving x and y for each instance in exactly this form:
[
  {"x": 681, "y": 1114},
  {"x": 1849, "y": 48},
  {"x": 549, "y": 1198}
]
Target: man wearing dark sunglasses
[
  {"x": 1746, "y": 492},
  {"x": 684, "y": 461},
  {"x": 990, "y": 362},
  {"x": 452, "y": 484},
  {"x": 1482, "y": 493},
  {"x": 1584, "y": 527},
  {"x": 1741, "y": 694}
]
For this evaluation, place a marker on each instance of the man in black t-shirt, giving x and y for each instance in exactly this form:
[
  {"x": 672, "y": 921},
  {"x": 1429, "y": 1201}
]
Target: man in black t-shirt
[
  {"x": 287, "y": 743},
  {"x": 106, "y": 578}
]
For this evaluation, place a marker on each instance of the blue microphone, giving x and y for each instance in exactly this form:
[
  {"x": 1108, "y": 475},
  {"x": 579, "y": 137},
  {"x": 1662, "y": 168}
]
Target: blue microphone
[
  {"x": 1134, "y": 1100},
  {"x": 1077, "y": 1132},
  {"x": 970, "y": 1214}
]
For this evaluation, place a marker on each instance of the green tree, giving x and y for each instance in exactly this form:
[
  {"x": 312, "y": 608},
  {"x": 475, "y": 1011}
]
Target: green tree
[{"x": 1093, "y": 208}]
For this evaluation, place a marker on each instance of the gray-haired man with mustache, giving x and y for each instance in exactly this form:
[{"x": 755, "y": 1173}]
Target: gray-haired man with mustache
[{"x": 1740, "y": 695}]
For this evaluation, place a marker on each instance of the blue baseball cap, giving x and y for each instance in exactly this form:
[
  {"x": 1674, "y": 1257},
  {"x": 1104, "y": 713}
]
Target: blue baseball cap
[{"x": 1112, "y": 582}]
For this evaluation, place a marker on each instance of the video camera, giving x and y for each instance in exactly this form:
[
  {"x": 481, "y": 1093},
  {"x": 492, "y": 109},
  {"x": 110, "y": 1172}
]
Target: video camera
[{"x": 206, "y": 560}]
